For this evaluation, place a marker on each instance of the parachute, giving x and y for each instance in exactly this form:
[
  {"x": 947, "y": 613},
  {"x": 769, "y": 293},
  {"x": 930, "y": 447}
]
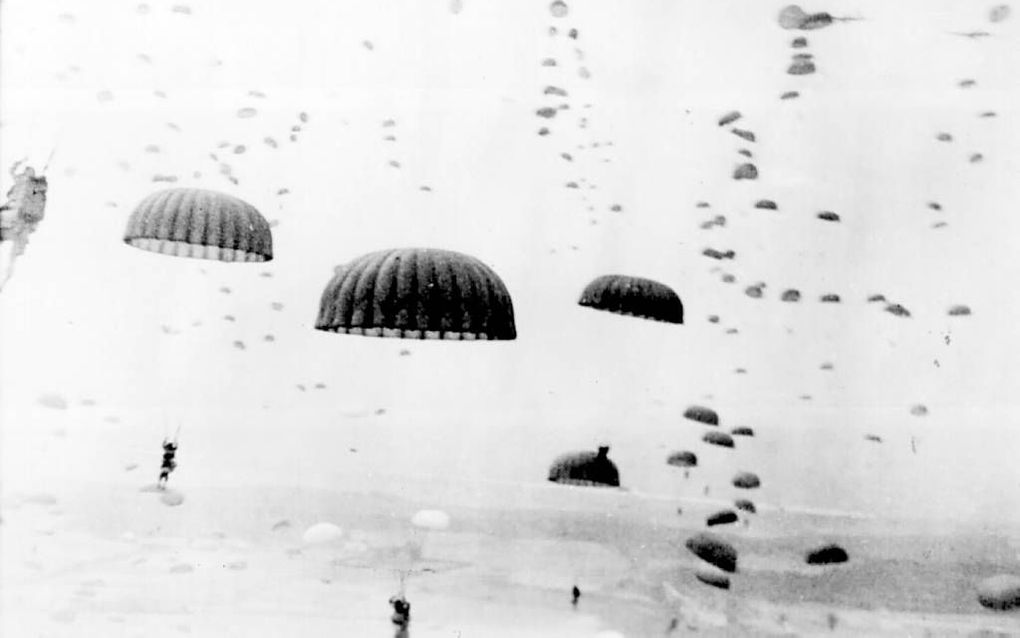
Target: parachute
[
  {"x": 701, "y": 414},
  {"x": 897, "y": 309},
  {"x": 742, "y": 430},
  {"x": 592, "y": 469},
  {"x": 718, "y": 438},
  {"x": 417, "y": 293},
  {"x": 876, "y": 297},
  {"x": 792, "y": 295},
  {"x": 959, "y": 311},
  {"x": 558, "y": 9},
  {"x": 722, "y": 517},
  {"x": 714, "y": 579},
  {"x": 999, "y": 12},
  {"x": 431, "y": 519},
  {"x": 682, "y": 459},
  {"x": 830, "y": 298},
  {"x": 19, "y": 216},
  {"x": 793, "y": 17},
  {"x": 828, "y": 215},
  {"x": 321, "y": 533},
  {"x": 713, "y": 550},
  {"x": 801, "y": 67},
  {"x": 1000, "y": 592},
  {"x": 745, "y": 171},
  {"x": 633, "y": 296},
  {"x": 745, "y": 505},
  {"x": 766, "y": 204},
  {"x": 827, "y": 555},
  {"x": 729, "y": 118},
  {"x": 746, "y": 480},
  {"x": 201, "y": 224}
]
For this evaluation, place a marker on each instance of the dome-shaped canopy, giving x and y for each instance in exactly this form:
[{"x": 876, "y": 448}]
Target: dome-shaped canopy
[
  {"x": 585, "y": 468},
  {"x": 746, "y": 480},
  {"x": 417, "y": 293},
  {"x": 701, "y": 414},
  {"x": 202, "y": 224},
  {"x": 718, "y": 438},
  {"x": 633, "y": 296},
  {"x": 682, "y": 458}
]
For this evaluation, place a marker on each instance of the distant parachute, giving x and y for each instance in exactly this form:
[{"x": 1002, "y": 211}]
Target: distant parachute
[
  {"x": 713, "y": 550},
  {"x": 417, "y": 293},
  {"x": 743, "y": 134},
  {"x": 766, "y": 204},
  {"x": 754, "y": 292},
  {"x": 874, "y": 298},
  {"x": 585, "y": 468},
  {"x": 729, "y": 118},
  {"x": 23, "y": 211},
  {"x": 53, "y": 401},
  {"x": 919, "y": 410},
  {"x": 718, "y": 438},
  {"x": 801, "y": 67},
  {"x": 793, "y": 17},
  {"x": 745, "y": 505},
  {"x": 701, "y": 414},
  {"x": 558, "y": 9},
  {"x": 897, "y": 309},
  {"x": 792, "y": 295},
  {"x": 959, "y": 311},
  {"x": 746, "y": 481},
  {"x": 321, "y": 533},
  {"x": 827, "y": 555},
  {"x": 715, "y": 579},
  {"x": 431, "y": 519},
  {"x": 873, "y": 437},
  {"x": 682, "y": 459},
  {"x": 742, "y": 430},
  {"x": 799, "y": 42},
  {"x": 999, "y": 12},
  {"x": 745, "y": 171},
  {"x": 828, "y": 215},
  {"x": 830, "y": 298},
  {"x": 722, "y": 517},
  {"x": 1001, "y": 592},
  {"x": 633, "y": 296},
  {"x": 202, "y": 224}
]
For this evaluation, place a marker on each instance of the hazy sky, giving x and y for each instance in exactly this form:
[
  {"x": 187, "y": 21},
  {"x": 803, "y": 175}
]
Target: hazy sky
[{"x": 145, "y": 336}]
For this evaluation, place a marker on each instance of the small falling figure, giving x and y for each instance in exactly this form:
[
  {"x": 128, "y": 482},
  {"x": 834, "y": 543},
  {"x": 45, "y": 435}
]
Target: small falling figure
[
  {"x": 169, "y": 464},
  {"x": 401, "y": 610},
  {"x": 239, "y": 345},
  {"x": 575, "y": 595}
]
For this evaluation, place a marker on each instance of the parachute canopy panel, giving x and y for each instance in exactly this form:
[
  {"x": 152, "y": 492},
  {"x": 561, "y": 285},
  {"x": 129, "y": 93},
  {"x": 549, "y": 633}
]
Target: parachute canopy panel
[
  {"x": 201, "y": 224},
  {"x": 418, "y": 293},
  {"x": 585, "y": 468},
  {"x": 633, "y": 296}
]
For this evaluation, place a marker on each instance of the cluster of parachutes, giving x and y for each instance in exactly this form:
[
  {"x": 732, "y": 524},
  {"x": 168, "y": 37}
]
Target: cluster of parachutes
[{"x": 410, "y": 293}]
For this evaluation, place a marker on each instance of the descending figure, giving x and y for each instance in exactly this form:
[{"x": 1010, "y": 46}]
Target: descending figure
[
  {"x": 401, "y": 610},
  {"x": 576, "y": 594},
  {"x": 169, "y": 464},
  {"x": 19, "y": 215}
]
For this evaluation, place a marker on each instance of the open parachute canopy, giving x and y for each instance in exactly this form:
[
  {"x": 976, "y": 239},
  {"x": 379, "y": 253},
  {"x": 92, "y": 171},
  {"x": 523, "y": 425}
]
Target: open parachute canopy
[
  {"x": 203, "y": 224},
  {"x": 585, "y": 468},
  {"x": 682, "y": 459},
  {"x": 718, "y": 438},
  {"x": 701, "y": 414},
  {"x": 746, "y": 480},
  {"x": 633, "y": 296},
  {"x": 417, "y": 293},
  {"x": 714, "y": 550}
]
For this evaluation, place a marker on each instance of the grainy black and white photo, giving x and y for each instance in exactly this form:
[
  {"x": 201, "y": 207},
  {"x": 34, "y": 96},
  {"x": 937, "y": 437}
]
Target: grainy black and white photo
[{"x": 509, "y": 318}]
